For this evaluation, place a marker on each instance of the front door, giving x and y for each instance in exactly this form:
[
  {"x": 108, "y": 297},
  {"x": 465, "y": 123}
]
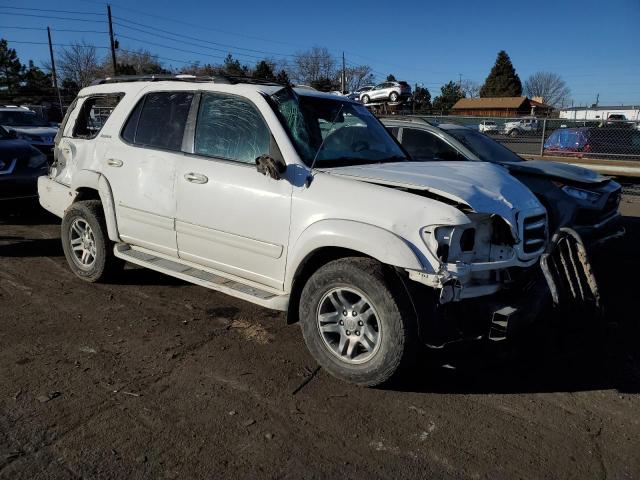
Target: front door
[{"x": 230, "y": 217}]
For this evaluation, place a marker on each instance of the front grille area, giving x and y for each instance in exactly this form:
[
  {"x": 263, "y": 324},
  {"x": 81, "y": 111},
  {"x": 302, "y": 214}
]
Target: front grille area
[{"x": 534, "y": 233}]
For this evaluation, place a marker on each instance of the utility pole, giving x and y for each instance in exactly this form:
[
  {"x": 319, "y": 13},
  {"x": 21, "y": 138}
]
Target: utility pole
[
  {"x": 113, "y": 43},
  {"x": 597, "y": 99},
  {"x": 53, "y": 72},
  {"x": 460, "y": 80},
  {"x": 343, "y": 75}
]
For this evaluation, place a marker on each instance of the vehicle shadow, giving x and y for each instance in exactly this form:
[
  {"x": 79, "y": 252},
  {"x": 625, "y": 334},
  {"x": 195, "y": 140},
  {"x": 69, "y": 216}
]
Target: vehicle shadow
[
  {"x": 31, "y": 215},
  {"x": 560, "y": 357},
  {"x": 15, "y": 246}
]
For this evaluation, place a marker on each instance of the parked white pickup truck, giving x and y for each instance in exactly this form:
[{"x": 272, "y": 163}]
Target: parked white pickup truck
[
  {"x": 294, "y": 200},
  {"x": 522, "y": 126}
]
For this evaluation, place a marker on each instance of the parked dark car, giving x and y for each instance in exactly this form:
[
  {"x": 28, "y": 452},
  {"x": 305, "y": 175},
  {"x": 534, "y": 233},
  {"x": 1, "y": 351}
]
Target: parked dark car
[
  {"x": 573, "y": 196},
  {"x": 20, "y": 166},
  {"x": 612, "y": 140}
]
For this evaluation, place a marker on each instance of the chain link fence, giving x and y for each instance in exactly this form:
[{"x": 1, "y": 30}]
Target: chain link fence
[{"x": 557, "y": 137}]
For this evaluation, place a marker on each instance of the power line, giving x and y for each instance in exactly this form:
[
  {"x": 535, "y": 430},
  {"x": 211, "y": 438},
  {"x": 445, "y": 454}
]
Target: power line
[
  {"x": 53, "y": 29},
  {"x": 48, "y": 10},
  {"x": 54, "y": 17},
  {"x": 191, "y": 38}
]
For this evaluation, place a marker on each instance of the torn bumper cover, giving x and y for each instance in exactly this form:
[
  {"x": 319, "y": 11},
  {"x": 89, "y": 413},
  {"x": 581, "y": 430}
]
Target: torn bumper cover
[{"x": 568, "y": 272}]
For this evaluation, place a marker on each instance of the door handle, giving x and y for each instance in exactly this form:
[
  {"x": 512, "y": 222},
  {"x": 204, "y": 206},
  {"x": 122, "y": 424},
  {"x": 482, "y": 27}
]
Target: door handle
[
  {"x": 195, "y": 178},
  {"x": 114, "y": 162}
]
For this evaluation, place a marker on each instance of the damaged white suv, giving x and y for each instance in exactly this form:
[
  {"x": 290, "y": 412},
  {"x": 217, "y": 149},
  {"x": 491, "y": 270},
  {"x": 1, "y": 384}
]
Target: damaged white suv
[{"x": 293, "y": 200}]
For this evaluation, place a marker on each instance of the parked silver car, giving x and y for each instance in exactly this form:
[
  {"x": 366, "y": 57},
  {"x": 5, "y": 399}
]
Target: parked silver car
[
  {"x": 355, "y": 95},
  {"x": 387, "y": 91}
]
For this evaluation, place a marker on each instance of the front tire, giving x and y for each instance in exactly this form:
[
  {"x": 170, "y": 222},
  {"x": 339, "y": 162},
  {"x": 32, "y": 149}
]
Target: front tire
[
  {"x": 365, "y": 99},
  {"x": 393, "y": 97},
  {"x": 357, "y": 321},
  {"x": 85, "y": 242}
]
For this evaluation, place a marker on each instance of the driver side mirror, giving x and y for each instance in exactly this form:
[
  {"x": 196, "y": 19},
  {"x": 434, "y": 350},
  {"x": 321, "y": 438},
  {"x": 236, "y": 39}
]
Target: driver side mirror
[{"x": 267, "y": 165}]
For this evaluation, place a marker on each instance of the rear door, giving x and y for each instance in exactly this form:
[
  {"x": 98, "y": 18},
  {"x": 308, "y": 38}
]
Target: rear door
[
  {"x": 230, "y": 217},
  {"x": 141, "y": 166}
]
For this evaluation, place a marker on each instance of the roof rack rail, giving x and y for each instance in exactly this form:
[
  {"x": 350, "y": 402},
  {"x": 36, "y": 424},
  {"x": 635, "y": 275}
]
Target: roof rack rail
[{"x": 223, "y": 79}]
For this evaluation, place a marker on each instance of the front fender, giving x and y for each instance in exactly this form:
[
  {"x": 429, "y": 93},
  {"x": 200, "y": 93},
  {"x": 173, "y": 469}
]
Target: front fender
[{"x": 376, "y": 242}]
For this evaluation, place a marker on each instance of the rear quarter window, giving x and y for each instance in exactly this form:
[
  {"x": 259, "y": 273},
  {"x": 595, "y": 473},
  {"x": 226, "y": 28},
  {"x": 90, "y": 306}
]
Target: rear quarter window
[{"x": 93, "y": 114}]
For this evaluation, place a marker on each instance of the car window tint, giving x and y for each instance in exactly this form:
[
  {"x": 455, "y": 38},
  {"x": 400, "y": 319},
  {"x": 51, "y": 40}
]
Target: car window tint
[
  {"x": 393, "y": 131},
  {"x": 93, "y": 115},
  {"x": 423, "y": 146},
  {"x": 161, "y": 121},
  {"x": 230, "y": 127}
]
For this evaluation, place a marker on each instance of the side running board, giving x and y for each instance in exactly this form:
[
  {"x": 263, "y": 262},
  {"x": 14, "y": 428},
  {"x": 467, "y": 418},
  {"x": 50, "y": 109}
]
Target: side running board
[{"x": 198, "y": 275}]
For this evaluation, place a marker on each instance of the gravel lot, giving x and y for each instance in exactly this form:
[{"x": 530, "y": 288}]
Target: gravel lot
[{"x": 155, "y": 378}]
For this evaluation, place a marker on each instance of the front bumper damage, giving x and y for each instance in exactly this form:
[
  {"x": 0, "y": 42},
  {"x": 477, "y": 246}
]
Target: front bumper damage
[{"x": 563, "y": 280}]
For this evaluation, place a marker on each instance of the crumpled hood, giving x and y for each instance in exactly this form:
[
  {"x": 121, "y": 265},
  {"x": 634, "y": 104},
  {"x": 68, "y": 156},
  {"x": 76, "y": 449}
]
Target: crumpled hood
[
  {"x": 485, "y": 187},
  {"x": 39, "y": 131},
  {"x": 561, "y": 171}
]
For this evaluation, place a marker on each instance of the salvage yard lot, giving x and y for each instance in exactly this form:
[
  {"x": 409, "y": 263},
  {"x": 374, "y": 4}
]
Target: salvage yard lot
[{"x": 151, "y": 377}]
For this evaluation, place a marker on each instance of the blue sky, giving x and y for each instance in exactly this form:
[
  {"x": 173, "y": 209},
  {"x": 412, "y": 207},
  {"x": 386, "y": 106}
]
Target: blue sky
[{"x": 592, "y": 44}]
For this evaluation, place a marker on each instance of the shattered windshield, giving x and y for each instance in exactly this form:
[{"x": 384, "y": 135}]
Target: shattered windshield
[{"x": 334, "y": 132}]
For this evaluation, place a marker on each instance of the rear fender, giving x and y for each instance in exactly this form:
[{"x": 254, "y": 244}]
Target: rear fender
[{"x": 95, "y": 181}]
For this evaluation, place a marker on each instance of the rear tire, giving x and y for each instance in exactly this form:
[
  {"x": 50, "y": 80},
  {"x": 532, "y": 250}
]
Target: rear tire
[
  {"x": 393, "y": 97},
  {"x": 513, "y": 133},
  {"x": 86, "y": 244},
  {"x": 376, "y": 339},
  {"x": 365, "y": 99}
]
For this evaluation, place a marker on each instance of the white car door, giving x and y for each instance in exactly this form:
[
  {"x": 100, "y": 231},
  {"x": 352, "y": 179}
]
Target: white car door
[
  {"x": 141, "y": 168},
  {"x": 230, "y": 217}
]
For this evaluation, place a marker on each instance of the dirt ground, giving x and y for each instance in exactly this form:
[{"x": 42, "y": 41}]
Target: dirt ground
[{"x": 151, "y": 377}]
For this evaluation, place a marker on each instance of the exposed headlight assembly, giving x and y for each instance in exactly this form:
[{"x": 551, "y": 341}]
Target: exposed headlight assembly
[{"x": 581, "y": 194}]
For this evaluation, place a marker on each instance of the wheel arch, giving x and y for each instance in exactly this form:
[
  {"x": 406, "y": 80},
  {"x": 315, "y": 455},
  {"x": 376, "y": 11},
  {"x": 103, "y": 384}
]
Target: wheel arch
[
  {"x": 329, "y": 240},
  {"x": 90, "y": 185}
]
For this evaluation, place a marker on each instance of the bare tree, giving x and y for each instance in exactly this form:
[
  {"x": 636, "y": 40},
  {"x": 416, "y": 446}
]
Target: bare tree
[
  {"x": 470, "y": 88},
  {"x": 550, "y": 86},
  {"x": 357, "y": 77},
  {"x": 313, "y": 65},
  {"x": 135, "y": 62},
  {"x": 78, "y": 63}
]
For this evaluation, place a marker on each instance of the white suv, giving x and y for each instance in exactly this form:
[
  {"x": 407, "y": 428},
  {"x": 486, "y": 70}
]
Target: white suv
[
  {"x": 387, "y": 91},
  {"x": 291, "y": 199}
]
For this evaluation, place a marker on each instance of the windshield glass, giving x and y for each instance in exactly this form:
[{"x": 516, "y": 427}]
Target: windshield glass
[
  {"x": 21, "y": 119},
  {"x": 339, "y": 132},
  {"x": 483, "y": 147},
  {"x": 3, "y": 134}
]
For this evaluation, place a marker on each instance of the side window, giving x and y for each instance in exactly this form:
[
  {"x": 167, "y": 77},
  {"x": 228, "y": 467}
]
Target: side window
[
  {"x": 423, "y": 146},
  {"x": 93, "y": 115},
  {"x": 158, "y": 120},
  {"x": 230, "y": 127},
  {"x": 393, "y": 131}
]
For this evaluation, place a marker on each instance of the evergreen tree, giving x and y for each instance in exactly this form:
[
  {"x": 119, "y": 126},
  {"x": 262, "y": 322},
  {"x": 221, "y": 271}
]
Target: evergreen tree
[
  {"x": 325, "y": 84},
  {"x": 449, "y": 95},
  {"x": 422, "y": 97},
  {"x": 36, "y": 86},
  {"x": 232, "y": 66},
  {"x": 283, "y": 78},
  {"x": 503, "y": 81},
  {"x": 10, "y": 69},
  {"x": 264, "y": 71},
  {"x": 391, "y": 78}
]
